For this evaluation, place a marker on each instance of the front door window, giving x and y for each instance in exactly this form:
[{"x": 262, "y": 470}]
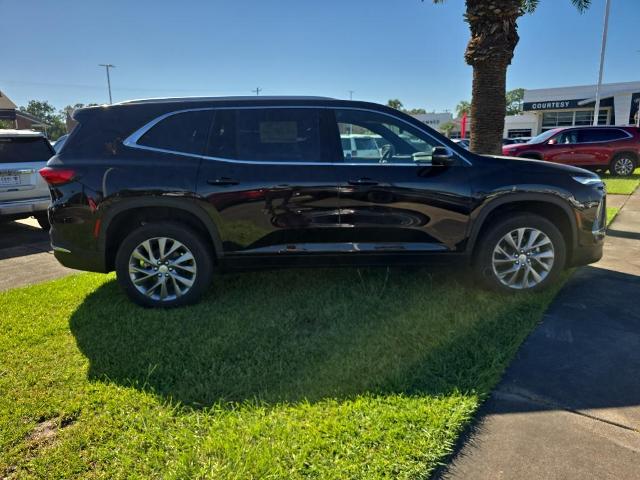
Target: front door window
[{"x": 373, "y": 138}]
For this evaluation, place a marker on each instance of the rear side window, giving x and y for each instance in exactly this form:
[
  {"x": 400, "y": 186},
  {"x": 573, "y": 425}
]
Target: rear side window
[
  {"x": 27, "y": 149},
  {"x": 267, "y": 134},
  {"x": 601, "y": 135},
  {"x": 184, "y": 132}
]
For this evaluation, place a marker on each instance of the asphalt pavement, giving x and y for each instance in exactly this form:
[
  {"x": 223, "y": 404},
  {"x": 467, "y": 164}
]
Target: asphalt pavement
[{"x": 25, "y": 255}]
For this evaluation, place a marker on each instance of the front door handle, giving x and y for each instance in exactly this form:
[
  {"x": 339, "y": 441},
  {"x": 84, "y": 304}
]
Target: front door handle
[
  {"x": 363, "y": 181},
  {"x": 223, "y": 181}
]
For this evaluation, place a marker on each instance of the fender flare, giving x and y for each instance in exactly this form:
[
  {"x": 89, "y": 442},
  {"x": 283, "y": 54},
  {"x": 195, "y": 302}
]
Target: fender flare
[
  {"x": 188, "y": 204},
  {"x": 516, "y": 197}
]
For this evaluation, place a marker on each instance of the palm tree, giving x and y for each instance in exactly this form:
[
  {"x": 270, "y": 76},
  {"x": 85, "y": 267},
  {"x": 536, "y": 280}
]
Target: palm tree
[
  {"x": 395, "y": 103},
  {"x": 447, "y": 128},
  {"x": 462, "y": 108},
  {"x": 494, "y": 36}
]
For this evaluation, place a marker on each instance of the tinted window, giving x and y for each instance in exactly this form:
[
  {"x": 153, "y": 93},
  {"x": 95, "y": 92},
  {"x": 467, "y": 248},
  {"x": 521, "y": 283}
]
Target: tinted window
[
  {"x": 183, "y": 132},
  {"x": 28, "y": 149},
  {"x": 601, "y": 135},
  {"x": 287, "y": 135},
  {"x": 266, "y": 134},
  {"x": 384, "y": 139},
  {"x": 567, "y": 137}
]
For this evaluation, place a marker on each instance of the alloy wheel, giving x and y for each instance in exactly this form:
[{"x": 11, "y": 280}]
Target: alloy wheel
[
  {"x": 162, "y": 268},
  {"x": 523, "y": 258},
  {"x": 623, "y": 166}
]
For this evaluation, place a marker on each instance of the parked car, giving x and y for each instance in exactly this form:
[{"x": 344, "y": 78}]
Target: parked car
[
  {"x": 462, "y": 142},
  {"x": 166, "y": 192},
  {"x": 616, "y": 149},
  {"x": 23, "y": 193},
  {"x": 360, "y": 147}
]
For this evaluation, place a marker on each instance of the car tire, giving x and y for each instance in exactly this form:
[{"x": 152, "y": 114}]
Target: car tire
[
  {"x": 43, "y": 221},
  {"x": 500, "y": 265},
  {"x": 623, "y": 165},
  {"x": 164, "y": 265}
]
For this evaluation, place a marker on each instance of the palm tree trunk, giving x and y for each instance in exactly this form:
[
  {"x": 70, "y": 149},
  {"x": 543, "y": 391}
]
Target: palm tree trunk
[
  {"x": 494, "y": 37},
  {"x": 488, "y": 107}
]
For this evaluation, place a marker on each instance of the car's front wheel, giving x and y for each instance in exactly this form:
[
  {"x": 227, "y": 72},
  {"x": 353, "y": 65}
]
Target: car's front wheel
[
  {"x": 622, "y": 165},
  {"x": 164, "y": 265},
  {"x": 524, "y": 252}
]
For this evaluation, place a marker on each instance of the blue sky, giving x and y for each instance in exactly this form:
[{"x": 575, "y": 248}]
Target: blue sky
[{"x": 381, "y": 49}]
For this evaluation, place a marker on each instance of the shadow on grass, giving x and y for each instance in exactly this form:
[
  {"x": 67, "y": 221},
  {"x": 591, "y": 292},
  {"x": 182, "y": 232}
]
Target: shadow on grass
[{"x": 295, "y": 335}]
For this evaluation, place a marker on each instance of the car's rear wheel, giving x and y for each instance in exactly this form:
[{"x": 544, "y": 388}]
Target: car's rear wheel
[
  {"x": 524, "y": 252},
  {"x": 164, "y": 265},
  {"x": 623, "y": 165}
]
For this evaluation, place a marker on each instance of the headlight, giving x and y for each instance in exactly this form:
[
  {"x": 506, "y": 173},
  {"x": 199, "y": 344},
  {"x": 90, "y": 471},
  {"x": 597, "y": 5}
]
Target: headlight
[{"x": 586, "y": 180}]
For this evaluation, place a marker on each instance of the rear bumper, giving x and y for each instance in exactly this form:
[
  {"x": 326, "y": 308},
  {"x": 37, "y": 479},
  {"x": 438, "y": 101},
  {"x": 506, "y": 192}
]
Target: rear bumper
[
  {"x": 79, "y": 259},
  {"x": 27, "y": 207}
]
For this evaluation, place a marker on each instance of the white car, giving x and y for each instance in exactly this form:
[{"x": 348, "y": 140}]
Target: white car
[
  {"x": 23, "y": 192},
  {"x": 463, "y": 142},
  {"x": 360, "y": 146}
]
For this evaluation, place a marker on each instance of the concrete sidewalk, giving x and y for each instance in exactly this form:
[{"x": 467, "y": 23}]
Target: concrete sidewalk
[
  {"x": 26, "y": 257},
  {"x": 569, "y": 405}
]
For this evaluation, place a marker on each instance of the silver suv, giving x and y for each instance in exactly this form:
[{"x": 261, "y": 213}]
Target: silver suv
[{"x": 23, "y": 192}]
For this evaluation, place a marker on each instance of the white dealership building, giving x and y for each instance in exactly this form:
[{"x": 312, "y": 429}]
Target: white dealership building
[{"x": 548, "y": 108}]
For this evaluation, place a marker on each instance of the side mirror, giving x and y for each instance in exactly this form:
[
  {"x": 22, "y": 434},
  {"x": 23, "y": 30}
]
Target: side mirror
[{"x": 441, "y": 156}]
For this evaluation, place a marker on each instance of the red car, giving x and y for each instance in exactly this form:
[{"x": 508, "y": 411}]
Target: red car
[{"x": 616, "y": 149}]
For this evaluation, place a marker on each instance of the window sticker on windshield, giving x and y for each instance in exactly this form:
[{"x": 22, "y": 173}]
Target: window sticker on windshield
[{"x": 278, "y": 132}]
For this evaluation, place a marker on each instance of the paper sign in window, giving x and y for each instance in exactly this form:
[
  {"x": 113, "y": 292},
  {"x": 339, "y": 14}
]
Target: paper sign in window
[{"x": 278, "y": 132}]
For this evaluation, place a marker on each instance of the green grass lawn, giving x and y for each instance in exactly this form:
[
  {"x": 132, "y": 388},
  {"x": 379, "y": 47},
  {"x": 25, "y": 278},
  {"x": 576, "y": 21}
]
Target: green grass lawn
[
  {"x": 289, "y": 374},
  {"x": 611, "y": 214},
  {"x": 622, "y": 185}
]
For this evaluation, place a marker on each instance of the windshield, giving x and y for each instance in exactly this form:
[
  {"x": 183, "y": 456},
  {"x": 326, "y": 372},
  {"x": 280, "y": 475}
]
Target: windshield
[{"x": 544, "y": 136}]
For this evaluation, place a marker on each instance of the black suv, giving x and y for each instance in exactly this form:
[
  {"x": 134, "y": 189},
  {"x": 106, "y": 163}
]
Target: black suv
[{"x": 168, "y": 191}]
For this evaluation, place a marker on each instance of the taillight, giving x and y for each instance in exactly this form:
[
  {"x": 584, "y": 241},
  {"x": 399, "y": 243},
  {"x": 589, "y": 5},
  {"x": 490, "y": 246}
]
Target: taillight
[{"x": 57, "y": 176}]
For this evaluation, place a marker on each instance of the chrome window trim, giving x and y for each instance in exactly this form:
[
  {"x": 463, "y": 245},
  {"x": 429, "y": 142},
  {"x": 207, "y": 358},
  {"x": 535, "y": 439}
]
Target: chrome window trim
[{"x": 132, "y": 140}]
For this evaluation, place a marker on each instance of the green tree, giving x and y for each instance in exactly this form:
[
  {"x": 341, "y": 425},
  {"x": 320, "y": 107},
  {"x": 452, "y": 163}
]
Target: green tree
[
  {"x": 47, "y": 113},
  {"x": 515, "y": 99},
  {"x": 395, "y": 103},
  {"x": 415, "y": 111},
  {"x": 447, "y": 128},
  {"x": 462, "y": 108},
  {"x": 494, "y": 36}
]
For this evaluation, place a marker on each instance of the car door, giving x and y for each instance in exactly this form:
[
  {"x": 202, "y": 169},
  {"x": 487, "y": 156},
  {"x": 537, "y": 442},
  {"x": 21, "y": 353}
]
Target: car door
[
  {"x": 594, "y": 145},
  {"x": 562, "y": 148},
  {"x": 400, "y": 201},
  {"x": 267, "y": 178}
]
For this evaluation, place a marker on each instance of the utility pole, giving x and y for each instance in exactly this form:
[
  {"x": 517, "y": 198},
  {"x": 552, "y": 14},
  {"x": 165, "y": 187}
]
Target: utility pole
[
  {"x": 351, "y": 94},
  {"x": 605, "y": 31},
  {"x": 257, "y": 91},
  {"x": 107, "y": 66}
]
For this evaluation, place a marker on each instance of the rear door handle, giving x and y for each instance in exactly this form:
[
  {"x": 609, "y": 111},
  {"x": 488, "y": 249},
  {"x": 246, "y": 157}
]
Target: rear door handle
[
  {"x": 363, "y": 181},
  {"x": 223, "y": 181}
]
